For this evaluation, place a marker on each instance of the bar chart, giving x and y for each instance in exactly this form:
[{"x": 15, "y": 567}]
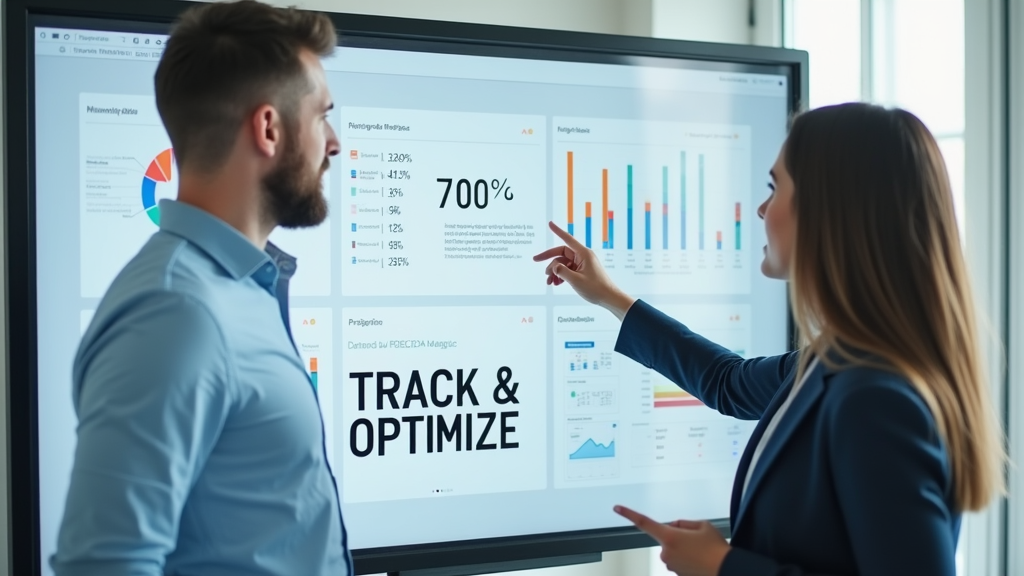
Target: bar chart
[
  {"x": 670, "y": 396},
  {"x": 658, "y": 201},
  {"x": 312, "y": 330},
  {"x": 607, "y": 211}
]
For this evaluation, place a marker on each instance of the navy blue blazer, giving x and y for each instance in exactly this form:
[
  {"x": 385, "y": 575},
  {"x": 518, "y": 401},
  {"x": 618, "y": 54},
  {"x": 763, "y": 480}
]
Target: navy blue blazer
[{"x": 855, "y": 479}]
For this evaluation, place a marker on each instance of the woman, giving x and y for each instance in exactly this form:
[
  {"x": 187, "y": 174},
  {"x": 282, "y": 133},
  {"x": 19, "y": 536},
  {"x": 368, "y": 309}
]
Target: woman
[{"x": 878, "y": 433}]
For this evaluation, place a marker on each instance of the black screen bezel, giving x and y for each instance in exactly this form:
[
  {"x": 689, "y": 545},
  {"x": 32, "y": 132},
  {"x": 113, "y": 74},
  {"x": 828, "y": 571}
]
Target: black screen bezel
[{"x": 155, "y": 16}]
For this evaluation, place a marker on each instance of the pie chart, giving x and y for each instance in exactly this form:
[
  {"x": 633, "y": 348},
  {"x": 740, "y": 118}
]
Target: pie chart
[{"x": 158, "y": 172}]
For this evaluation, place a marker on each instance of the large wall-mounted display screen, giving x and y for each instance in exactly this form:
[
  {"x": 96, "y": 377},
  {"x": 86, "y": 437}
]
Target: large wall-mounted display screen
[{"x": 454, "y": 383}]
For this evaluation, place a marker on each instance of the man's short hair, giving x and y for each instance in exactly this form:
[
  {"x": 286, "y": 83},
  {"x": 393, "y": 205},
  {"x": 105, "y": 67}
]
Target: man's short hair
[{"x": 225, "y": 59}]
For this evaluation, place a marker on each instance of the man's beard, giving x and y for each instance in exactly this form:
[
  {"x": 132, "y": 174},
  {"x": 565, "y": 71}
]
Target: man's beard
[{"x": 293, "y": 194}]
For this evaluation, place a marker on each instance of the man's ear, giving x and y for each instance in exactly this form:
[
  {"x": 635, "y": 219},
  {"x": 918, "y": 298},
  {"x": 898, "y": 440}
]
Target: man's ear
[{"x": 267, "y": 130}]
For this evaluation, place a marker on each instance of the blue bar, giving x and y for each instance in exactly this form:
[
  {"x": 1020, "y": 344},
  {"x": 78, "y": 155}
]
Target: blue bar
[
  {"x": 588, "y": 231},
  {"x": 611, "y": 233},
  {"x": 579, "y": 344},
  {"x": 570, "y": 229}
]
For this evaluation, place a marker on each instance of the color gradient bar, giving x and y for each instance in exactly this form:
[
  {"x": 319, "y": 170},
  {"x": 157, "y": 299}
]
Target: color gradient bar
[
  {"x": 313, "y": 372},
  {"x": 668, "y": 396},
  {"x": 611, "y": 229},
  {"x": 737, "y": 225},
  {"x": 718, "y": 239},
  {"x": 629, "y": 206},
  {"x": 700, "y": 204},
  {"x": 588, "y": 222},
  {"x": 568, "y": 165},
  {"x": 677, "y": 403},
  {"x": 682, "y": 200},
  {"x": 647, "y": 225},
  {"x": 604, "y": 208},
  {"x": 664, "y": 207}
]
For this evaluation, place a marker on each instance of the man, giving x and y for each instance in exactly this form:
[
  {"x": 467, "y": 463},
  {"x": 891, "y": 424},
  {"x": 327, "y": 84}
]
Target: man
[{"x": 200, "y": 442}]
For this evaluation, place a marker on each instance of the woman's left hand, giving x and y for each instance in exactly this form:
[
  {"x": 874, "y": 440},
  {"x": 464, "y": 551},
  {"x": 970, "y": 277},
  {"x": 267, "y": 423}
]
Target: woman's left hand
[{"x": 688, "y": 548}]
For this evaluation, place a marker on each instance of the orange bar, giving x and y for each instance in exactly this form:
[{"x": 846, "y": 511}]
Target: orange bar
[
  {"x": 604, "y": 205},
  {"x": 569, "y": 184},
  {"x": 587, "y": 204},
  {"x": 737, "y": 211},
  {"x": 647, "y": 206},
  {"x": 312, "y": 364},
  {"x": 718, "y": 235}
]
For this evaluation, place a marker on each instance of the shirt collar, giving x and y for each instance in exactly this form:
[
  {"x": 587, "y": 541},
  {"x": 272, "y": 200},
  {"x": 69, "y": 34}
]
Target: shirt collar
[
  {"x": 286, "y": 263},
  {"x": 224, "y": 244}
]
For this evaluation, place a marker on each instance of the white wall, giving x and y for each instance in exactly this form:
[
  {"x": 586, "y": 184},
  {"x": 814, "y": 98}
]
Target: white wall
[
  {"x": 580, "y": 15},
  {"x": 703, "y": 20},
  {"x": 706, "y": 20}
]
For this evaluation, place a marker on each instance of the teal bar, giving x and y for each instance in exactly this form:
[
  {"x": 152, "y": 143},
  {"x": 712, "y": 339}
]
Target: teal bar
[
  {"x": 664, "y": 207},
  {"x": 700, "y": 196},
  {"x": 682, "y": 200},
  {"x": 629, "y": 206}
]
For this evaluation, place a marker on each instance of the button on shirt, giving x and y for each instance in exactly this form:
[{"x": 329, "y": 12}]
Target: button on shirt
[{"x": 200, "y": 442}]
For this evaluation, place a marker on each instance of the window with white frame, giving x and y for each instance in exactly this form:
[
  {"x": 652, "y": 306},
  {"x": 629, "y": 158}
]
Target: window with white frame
[{"x": 905, "y": 53}]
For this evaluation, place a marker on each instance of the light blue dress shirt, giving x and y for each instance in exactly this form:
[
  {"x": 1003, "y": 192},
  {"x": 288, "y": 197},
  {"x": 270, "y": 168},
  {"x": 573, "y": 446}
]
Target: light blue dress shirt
[{"x": 200, "y": 441}]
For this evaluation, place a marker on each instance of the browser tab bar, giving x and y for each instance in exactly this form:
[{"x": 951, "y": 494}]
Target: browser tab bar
[
  {"x": 96, "y": 44},
  {"x": 371, "y": 61},
  {"x": 81, "y": 38}
]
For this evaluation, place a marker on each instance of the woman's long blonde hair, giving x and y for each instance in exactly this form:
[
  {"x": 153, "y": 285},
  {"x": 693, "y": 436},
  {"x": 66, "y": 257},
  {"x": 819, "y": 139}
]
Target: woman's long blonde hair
[{"x": 878, "y": 270}]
